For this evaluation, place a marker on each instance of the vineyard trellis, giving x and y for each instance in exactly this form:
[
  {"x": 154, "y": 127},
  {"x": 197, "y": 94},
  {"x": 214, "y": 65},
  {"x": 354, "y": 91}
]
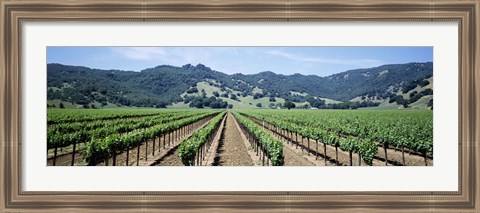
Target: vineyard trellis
[
  {"x": 357, "y": 131},
  {"x": 114, "y": 132},
  {"x": 99, "y": 136}
]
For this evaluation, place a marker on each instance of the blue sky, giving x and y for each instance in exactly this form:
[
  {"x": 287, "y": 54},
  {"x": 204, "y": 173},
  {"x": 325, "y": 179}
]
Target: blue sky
[{"x": 321, "y": 61}]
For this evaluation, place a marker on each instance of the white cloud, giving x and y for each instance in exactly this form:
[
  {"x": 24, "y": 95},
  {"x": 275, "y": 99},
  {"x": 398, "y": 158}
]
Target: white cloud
[
  {"x": 321, "y": 60},
  {"x": 176, "y": 56},
  {"x": 236, "y": 59},
  {"x": 141, "y": 53}
]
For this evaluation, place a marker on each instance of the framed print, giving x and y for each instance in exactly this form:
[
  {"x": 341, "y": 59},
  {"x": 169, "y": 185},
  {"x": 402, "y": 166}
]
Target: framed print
[{"x": 297, "y": 106}]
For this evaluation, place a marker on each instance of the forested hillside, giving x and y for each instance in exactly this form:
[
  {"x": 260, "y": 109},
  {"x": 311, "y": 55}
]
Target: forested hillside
[{"x": 166, "y": 85}]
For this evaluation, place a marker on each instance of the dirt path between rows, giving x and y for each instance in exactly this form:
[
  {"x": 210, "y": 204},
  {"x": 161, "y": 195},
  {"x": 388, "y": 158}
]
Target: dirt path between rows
[
  {"x": 171, "y": 159},
  {"x": 231, "y": 149},
  {"x": 293, "y": 159},
  {"x": 292, "y": 155}
]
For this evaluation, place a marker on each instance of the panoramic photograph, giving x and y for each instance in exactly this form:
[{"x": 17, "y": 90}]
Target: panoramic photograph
[{"x": 239, "y": 106}]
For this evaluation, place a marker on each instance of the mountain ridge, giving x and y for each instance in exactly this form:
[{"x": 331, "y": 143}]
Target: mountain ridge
[{"x": 165, "y": 83}]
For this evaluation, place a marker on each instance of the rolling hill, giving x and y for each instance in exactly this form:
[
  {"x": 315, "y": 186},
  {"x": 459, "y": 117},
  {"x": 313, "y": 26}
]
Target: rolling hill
[{"x": 189, "y": 85}]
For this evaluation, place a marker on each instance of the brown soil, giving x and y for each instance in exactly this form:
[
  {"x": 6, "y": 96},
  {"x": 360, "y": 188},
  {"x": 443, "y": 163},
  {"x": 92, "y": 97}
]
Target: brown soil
[
  {"x": 211, "y": 151},
  {"x": 65, "y": 159},
  {"x": 293, "y": 159},
  {"x": 311, "y": 158},
  {"x": 231, "y": 150},
  {"x": 395, "y": 157},
  {"x": 171, "y": 159}
]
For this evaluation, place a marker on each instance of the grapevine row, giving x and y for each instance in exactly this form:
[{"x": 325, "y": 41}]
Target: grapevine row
[
  {"x": 74, "y": 115},
  {"x": 192, "y": 149},
  {"x": 58, "y": 139},
  {"x": 88, "y": 125},
  {"x": 104, "y": 148},
  {"x": 271, "y": 146},
  {"x": 365, "y": 149},
  {"x": 327, "y": 127},
  {"x": 60, "y": 135}
]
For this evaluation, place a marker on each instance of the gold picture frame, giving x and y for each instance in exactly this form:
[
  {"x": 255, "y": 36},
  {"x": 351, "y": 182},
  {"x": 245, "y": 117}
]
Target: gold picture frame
[{"x": 14, "y": 13}]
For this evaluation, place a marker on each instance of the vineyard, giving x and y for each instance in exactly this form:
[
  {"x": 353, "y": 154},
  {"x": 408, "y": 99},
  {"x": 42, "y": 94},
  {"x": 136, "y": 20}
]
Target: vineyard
[
  {"x": 364, "y": 133},
  {"x": 204, "y": 137}
]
